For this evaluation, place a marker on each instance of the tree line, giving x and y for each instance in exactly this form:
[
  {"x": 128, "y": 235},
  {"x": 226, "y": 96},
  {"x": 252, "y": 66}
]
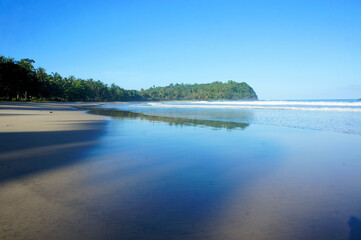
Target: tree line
[{"x": 21, "y": 81}]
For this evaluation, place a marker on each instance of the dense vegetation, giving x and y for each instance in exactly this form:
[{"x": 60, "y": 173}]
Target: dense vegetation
[
  {"x": 19, "y": 81},
  {"x": 208, "y": 91}
]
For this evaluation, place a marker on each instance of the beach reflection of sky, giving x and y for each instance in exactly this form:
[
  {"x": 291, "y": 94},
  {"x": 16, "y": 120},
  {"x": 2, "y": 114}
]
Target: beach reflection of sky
[
  {"x": 336, "y": 116},
  {"x": 162, "y": 181},
  {"x": 147, "y": 176}
]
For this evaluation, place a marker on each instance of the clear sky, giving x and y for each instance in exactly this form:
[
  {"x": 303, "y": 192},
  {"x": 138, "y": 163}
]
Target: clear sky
[{"x": 283, "y": 49}]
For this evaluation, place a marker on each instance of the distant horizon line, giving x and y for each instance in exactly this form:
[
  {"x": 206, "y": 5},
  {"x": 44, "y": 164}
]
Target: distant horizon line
[{"x": 312, "y": 99}]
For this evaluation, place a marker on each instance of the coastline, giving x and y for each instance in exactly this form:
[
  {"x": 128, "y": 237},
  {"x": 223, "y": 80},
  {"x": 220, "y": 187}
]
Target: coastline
[
  {"x": 40, "y": 117},
  {"x": 36, "y": 131},
  {"x": 71, "y": 175},
  {"x": 41, "y": 146}
]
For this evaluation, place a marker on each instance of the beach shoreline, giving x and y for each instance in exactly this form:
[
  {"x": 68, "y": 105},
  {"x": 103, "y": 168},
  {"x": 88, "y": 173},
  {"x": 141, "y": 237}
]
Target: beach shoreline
[
  {"x": 68, "y": 174},
  {"x": 40, "y": 117},
  {"x": 41, "y": 145}
]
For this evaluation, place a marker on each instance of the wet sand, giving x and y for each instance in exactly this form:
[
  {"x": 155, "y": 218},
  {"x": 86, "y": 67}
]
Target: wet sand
[
  {"x": 44, "y": 117},
  {"x": 134, "y": 176},
  {"x": 40, "y": 145}
]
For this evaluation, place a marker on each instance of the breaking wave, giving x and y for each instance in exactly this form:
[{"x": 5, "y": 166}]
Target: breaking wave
[
  {"x": 332, "y": 115},
  {"x": 271, "y": 105}
]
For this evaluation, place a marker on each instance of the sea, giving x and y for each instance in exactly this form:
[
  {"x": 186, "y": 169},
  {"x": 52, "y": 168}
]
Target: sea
[
  {"x": 189, "y": 170},
  {"x": 228, "y": 170},
  {"x": 325, "y": 115}
]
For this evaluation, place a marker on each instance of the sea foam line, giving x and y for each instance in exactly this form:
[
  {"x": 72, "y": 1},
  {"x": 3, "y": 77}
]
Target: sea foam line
[
  {"x": 274, "y": 103},
  {"x": 223, "y": 106}
]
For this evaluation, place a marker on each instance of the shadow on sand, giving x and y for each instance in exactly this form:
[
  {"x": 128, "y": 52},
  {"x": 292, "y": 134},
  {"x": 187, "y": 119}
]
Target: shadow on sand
[{"x": 24, "y": 153}]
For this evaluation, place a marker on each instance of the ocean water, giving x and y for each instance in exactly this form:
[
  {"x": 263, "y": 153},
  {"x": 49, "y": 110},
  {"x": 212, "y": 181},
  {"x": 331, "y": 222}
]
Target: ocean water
[
  {"x": 229, "y": 170},
  {"x": 327, "y": 115},
  {"x": 274, "y": 170}
]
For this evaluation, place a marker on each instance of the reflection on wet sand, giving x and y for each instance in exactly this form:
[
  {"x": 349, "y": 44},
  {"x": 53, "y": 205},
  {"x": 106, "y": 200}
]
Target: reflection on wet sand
[
  {"x": 173, "y": 121},
  {"x": 147, "y": 180},
  {"x": 309, "y": 196},
  {"x": 355, "y": 228}
]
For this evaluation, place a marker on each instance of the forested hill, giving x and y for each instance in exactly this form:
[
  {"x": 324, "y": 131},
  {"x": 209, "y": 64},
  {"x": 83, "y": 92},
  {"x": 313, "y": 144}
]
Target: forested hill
[
  {"x": 208, "y": 91},
  {"x": 19, "y": 80}
]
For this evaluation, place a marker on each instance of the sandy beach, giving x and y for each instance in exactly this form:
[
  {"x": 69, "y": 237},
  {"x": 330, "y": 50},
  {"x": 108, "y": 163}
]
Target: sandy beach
[
  {"x": 39, "y": 142},
  {"x": 66, "y": 174},
  {"x": 42, "y": 117}
]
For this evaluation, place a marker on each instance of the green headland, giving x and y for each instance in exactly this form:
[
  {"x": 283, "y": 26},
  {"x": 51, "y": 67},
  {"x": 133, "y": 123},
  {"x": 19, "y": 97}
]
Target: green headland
[{"x": 21, "y": 81}]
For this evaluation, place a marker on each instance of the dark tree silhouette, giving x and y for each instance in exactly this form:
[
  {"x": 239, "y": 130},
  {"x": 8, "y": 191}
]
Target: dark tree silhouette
[{"x": 19, "y": 80}]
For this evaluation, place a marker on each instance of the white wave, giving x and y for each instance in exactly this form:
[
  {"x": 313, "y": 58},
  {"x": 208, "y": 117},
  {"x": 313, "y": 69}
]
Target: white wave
[
  {"x": 269, "y": 106},
  {"x": 267, "y": 103}
]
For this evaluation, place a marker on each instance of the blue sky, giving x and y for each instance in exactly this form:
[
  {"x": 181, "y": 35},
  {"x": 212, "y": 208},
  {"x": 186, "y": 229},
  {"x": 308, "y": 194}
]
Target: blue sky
[{"x": 283, "y": 49}]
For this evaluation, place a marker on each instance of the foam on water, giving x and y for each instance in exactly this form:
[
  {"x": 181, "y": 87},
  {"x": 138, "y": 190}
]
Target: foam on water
[
  {"x": 224, "y": 106},
  {"x": 328, "y": 115},
  {"x": 273, "y": 105},
  {"x": 305, "y": 103}
]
